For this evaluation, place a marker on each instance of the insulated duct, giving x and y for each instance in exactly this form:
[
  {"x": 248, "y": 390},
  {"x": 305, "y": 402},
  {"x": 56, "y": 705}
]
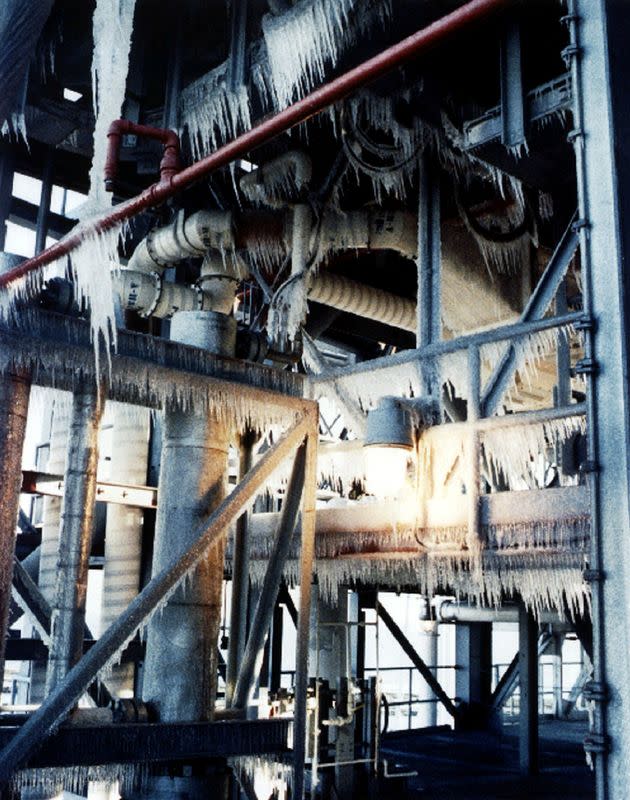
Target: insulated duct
[
  {"x": 364, "y": 301},
  {"x": 190, "y": 237}
]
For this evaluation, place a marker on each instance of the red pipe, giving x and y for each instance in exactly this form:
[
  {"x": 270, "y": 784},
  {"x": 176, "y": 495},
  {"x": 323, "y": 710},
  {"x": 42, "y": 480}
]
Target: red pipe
[
  {"x": 169, "y": 165},
  {"x": 299, "y": 112}
]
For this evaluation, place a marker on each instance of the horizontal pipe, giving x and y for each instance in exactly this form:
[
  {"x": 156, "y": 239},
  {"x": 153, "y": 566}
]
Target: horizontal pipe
[
  {"x": 309, "y": 106},
  {"x": 452, "y": 611}
]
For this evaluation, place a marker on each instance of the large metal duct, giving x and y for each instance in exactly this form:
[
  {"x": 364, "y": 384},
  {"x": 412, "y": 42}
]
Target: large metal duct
[{"x": 21, "y": 24}]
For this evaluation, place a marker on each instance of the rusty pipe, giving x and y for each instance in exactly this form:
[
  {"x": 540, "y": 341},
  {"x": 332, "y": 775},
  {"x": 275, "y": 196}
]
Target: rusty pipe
[
  {"x": 170, "y": 163},
  {"x": 299, "y": 112}
]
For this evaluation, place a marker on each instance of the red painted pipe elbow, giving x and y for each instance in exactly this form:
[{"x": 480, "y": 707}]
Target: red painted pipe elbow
[{"x": 170, "y": 163}]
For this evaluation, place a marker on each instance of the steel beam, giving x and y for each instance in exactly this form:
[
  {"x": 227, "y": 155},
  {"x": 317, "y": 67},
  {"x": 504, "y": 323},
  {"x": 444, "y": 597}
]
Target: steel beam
[
  {"x": 429, "y": 262},
  {"x": 252, "y": 658},
  {"x": 124, "y": 494},
  {"x": 128, "y": 743},
  {"x": 415, "y": 659},
  {"x": 54, "y": 709},
  {"x": 14, "y": 398},
  {"x": 512, "y": 98},
  {"x": 540, "y": 300},
  {"x": 240, "y": 579},
  {"x": 307, "y": 558},
  {"x": 528, "y": 683}
]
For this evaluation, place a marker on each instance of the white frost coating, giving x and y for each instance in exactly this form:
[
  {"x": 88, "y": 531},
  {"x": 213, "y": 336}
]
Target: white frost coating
[
  {"x": 515, "y": 451},
  {"x": 213, "y": 112},
  {"x": 49, "y": 780},
  {"x": 93, "y": 265},
  {"x": 269, "y": 776},
  {"x": 367, "y": 388},
  {"x": 112, "y": 25},
  {"x": 301, "y": 43},
  {"x": 546, "y": 579}
]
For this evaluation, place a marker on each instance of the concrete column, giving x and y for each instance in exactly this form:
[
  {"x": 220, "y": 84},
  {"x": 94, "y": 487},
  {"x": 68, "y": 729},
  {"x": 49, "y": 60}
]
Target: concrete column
[
  {"x": 50, "y": 529},
  {"x": 77, "y": 520},
  {"x": 428, "y": 652},
  {"x": 123, "y": 532},
  {"x": 180, "y": 675},
  {"x": 14, "y": 397},
  {"x": 473, "y": 678},
  {"x": 528, "y": 684}
]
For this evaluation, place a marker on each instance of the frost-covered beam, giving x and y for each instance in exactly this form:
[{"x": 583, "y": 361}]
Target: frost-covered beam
[
  {"x": 540, "y": 300},
  {"x": 53, "y": 710},
  {"x": 151, "y": 372},
  {"x": 515, "y": 331},
  {"x": 252, "y": 658}
]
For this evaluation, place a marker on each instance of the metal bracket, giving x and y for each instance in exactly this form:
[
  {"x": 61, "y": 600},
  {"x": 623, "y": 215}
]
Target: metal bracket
[
  {"x": 586, "y": 366},
  {"x": 589, "y": 466},
  {"x": 571, "y": 50},
  {"x": 596, "y": 743},
  {"x": 593, "y": 575},
  {"x": 574, "y": 134},
  {"x": 596, "y": 692},
  {"x": 579, "y": 224},
  {"x": 586, "y": 324}
]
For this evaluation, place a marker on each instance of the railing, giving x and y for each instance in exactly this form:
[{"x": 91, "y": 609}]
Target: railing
[{"x": 511, "y": 707}]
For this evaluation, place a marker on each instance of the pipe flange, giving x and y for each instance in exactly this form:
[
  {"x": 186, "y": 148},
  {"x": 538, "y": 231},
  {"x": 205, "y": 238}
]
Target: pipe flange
[
  {"x": 152, "y": 251},
  {"x": 179, "y": 234},
  {"x": 158, "y": 283},
  {"x": 214, "y": 276}
]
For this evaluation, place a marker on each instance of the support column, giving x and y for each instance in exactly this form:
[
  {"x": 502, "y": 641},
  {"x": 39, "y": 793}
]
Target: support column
[
  {"x": 473, "y": 677},
  {"x": 428, "y": 652},
  {"x": 56, "y": 465},
  {"x": 77, "y": 520},
  {"x": 528, "y": 684},
  {"x": 14, "y": 397},
  {"x": 123, "y": 531},
  {"x": 180, "y": 674},
  {"x": 599, "y": 61}
]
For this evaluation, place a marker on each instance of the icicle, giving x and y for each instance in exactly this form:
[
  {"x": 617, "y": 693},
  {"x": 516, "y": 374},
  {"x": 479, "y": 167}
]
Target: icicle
[
  {"x": 318, "y": 31},
  {"x": 112, "y": 26},
  {"x": 213, "y": 112}
]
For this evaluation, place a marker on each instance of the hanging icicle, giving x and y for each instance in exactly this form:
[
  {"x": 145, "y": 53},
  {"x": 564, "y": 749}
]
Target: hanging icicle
[{"x": 112, "y": 26}]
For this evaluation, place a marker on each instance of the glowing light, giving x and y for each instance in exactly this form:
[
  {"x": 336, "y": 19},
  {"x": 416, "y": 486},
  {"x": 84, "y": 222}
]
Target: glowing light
[{"x": 386, "y": 470}]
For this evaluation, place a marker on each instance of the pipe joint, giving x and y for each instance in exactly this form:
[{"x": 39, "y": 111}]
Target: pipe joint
[{"x": 170, "y": 164}]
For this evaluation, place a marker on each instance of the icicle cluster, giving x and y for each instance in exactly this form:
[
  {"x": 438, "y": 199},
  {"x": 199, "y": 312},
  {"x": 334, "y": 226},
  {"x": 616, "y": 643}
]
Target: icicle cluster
[
  {"x": 51, "y": 780},
  {"x": 513, "y": 452},
  {"x": 112, "y": 26},
  {"x": 213, "y": 112}
]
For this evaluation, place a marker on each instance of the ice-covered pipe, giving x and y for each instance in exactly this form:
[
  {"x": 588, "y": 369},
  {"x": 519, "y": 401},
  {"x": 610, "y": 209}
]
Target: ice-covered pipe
[
  {"x": 184, "y": 237},
  {"x": 77, "y": 520},
  {"x": 51, "y": 519},
  {"x": 364, "y": 301},
  {"x": 123, "y": 531},
  {"x": 279, "y": 181},
  {"x": 453, "y": 611}
]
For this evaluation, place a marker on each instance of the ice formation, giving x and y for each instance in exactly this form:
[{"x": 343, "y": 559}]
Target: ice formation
[
  {"x": 112, "y": 26},
  {"x": 213, "y": 112}
]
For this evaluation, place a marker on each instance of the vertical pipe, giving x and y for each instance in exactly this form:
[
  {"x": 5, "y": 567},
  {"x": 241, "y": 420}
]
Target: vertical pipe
[
  {"x": 528, "y": 682},
  {"x": 307, "y": 555},
  {"x": 14, "y": 397},
  {"x": 123, "y": 530},
  {"x": 428, "y": 652},
  {"x": 49, "y": 550},
  {"x": 240, "y": 578},
  {"x": 180, "y": 676},
  {"x": 77, "y": 519}
]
